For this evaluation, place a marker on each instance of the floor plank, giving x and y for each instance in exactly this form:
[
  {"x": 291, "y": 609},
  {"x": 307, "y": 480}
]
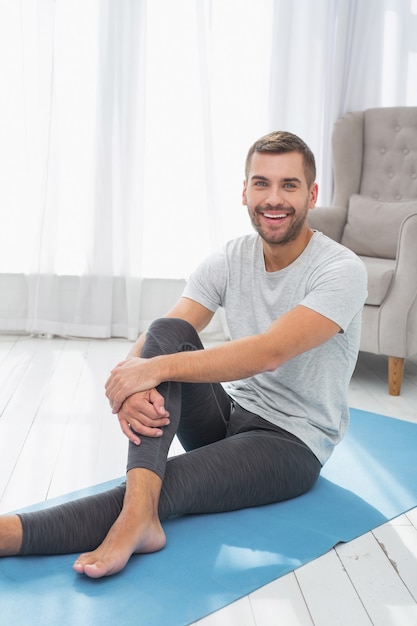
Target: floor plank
[
  {"x": 30, "y": 367},
  {"x": 280, "y": 602},
  {"x": 382, "y": 592},
  {"x": 399, "y": 544},
  {"x": 31, "y": 476},
  {"x": 328, "y": 573},
  {"x": 91, "y": 428}
]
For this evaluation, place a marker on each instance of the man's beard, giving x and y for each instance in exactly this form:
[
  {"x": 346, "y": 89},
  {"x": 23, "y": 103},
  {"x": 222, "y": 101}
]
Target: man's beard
[{"x": 283, "y": 237}]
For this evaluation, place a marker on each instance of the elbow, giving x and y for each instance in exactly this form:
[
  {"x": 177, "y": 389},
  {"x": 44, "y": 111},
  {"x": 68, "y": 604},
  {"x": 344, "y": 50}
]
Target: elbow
[
  {"x": 273, "y": 358},
  {"x": 271, "y": 367},
  {"x": 273, "y": 362}
]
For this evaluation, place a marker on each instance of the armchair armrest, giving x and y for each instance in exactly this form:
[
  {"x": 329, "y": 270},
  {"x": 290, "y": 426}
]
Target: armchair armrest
[
  {"x": 399, "y": 308},
  {"x": 328, "y": 220}
]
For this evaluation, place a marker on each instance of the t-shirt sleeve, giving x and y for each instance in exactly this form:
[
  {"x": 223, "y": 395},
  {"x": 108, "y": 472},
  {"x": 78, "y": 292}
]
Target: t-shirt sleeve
[
  {"x": 339, "y": 291},
  {"x": 207, "y": 284}
]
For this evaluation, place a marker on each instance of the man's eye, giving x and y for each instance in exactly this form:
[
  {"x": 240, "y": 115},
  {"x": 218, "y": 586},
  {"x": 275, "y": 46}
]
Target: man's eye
[
  {"x": 260, "y": 183},
  {"x": 289, "y": 186}
]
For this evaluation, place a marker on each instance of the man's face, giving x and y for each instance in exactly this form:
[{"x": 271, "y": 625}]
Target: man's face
[{"x": 277, "y": 196}]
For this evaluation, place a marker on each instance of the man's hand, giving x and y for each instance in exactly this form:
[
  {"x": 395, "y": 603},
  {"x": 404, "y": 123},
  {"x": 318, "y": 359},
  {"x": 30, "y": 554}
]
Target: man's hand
[
  {"x": 129, "y": 377},
  {"x": 143, "y": 413}
]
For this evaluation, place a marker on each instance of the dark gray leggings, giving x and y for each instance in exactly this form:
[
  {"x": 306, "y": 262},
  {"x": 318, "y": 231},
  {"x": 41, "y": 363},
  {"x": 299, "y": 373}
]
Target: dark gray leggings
[{"x": 234, "y": 459}]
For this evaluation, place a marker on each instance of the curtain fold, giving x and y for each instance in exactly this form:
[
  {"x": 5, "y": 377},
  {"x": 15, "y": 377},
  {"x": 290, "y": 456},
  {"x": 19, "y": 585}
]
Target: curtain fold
[
  {"x": 110, "y": 262},
  {"x": 334, "y": 56},
  {"x": 205, "y": 53},
  {"x": 124, "y": 128}
]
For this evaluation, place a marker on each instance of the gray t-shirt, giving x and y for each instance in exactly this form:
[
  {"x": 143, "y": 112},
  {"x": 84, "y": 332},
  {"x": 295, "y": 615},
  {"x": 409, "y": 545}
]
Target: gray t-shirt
[{"x": 306, "y": 396}]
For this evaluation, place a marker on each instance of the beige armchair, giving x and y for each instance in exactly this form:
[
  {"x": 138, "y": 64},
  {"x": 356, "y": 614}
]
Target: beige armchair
[{"x": 374, "y": 213}]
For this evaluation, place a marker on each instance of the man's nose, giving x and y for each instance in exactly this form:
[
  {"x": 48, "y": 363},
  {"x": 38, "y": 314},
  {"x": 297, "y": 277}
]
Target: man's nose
[{"x": 275, "y": 196}]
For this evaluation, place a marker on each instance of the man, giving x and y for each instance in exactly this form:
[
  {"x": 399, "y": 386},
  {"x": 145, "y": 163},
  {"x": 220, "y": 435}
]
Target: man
[{"x": 293, "y": 301}]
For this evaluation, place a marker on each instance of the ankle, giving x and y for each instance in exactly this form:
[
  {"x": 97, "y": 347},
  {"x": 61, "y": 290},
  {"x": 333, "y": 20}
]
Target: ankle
[
  {"x": 11, "y": 535},
  {"x": 143, "y": 488}
]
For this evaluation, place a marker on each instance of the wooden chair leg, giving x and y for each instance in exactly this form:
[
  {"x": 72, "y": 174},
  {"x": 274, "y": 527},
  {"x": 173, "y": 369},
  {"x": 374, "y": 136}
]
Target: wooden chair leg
[{"x": 395, "y": 374}]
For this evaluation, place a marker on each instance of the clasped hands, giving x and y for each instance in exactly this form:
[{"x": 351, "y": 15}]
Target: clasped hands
[{"x": 131, "y": 390}]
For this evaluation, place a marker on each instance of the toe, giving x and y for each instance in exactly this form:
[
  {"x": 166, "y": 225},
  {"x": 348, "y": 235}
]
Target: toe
[
  {"x": 93, "y": 570},
  {"x": 78, "y": 567}
]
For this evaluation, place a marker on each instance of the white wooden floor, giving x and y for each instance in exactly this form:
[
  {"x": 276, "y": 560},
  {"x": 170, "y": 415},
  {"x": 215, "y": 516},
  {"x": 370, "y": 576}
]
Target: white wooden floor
[{"x": 57, "y": 435}]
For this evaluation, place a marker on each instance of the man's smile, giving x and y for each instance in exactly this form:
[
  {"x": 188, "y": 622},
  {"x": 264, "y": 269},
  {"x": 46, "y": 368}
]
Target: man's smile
[{"x": 274, "y": 214}]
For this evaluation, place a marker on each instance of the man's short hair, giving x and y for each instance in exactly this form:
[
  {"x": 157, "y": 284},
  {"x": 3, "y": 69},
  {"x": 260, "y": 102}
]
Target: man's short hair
[{"x": 280, "y": 142}]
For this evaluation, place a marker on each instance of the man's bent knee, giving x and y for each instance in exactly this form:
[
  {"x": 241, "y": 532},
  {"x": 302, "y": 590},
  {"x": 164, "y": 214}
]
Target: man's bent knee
[{"x": 170, "y": 334}]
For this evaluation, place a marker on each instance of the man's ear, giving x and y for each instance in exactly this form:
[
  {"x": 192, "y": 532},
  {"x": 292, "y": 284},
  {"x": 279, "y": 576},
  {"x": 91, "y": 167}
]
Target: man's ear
[
  {"x": 244, "y": 198},
  {"x": 314, "y": 192}
]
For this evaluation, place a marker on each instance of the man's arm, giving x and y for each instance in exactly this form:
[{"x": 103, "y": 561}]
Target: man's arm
[{"x": 298, "y": 331}]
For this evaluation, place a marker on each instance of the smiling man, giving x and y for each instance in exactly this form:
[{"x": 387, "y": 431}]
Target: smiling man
[{"x": 259, "y": 415}]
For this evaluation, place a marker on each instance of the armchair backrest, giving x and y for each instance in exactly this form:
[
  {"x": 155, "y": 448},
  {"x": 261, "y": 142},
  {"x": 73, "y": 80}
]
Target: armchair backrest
[{"x": 375, "y": 155}]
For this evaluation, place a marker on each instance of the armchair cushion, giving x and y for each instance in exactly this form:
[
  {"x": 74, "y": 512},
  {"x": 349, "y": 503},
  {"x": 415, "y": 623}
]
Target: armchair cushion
[
  {"x": 380, "y": 273},
  {"x": 328, "y": 220},
  {"x": 372, "y": 227}
]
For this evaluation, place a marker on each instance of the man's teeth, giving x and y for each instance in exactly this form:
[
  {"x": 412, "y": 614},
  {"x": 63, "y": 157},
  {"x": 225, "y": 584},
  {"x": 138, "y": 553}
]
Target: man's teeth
[{"x": 275, "y": 216}]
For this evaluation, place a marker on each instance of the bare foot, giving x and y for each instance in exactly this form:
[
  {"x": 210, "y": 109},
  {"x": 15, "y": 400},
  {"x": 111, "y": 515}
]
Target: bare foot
[
  {"x": 137, "y": 530},
  {"x": 122, "y": 541}
]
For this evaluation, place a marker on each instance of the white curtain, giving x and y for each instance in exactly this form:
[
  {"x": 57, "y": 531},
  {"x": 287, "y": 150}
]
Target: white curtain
[
  {"x": 124, "y": 127},
  {"x": 84, "y": 278}
]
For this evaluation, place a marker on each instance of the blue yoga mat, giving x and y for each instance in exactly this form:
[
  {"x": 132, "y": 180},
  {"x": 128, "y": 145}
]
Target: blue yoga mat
[{"x": 212, "y": 560}]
